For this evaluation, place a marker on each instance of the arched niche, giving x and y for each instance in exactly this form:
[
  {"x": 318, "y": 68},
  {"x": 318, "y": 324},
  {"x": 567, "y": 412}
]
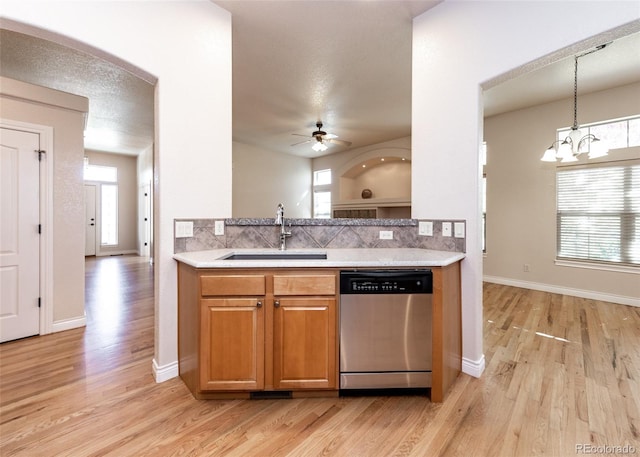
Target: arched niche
[{"x": 386, "y": 172}]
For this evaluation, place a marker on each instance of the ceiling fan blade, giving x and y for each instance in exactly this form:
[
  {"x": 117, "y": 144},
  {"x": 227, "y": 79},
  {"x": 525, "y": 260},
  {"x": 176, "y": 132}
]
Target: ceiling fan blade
[
  {"x": 297, "y": 134},
  {"x": 330, "y": 136},
  {"x": 340, "y": 142},
  {"x": 301, "y": 142}
]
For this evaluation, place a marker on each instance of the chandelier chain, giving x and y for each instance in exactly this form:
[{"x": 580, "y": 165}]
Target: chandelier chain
[{"x": 575, "y": 94}]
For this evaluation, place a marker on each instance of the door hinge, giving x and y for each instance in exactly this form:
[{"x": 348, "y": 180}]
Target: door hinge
[
  {"x": 39, "y": 302},
  {"x": 40, "y": 152},
  {"x": 40, "y": 229}
]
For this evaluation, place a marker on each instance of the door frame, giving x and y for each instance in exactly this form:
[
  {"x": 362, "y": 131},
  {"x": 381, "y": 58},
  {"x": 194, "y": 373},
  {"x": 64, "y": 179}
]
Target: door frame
[{"x": 46, "y": 217}]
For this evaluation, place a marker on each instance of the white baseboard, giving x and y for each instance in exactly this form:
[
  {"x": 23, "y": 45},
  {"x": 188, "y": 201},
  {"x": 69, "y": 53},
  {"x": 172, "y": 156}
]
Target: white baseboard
[
  {"x": 473, "y": 367},
  {"x": 165, "y": 372},
  {"x": 68, "y": 324},
  {"x": 108, "y": 253},
  {"x": 619, "y": 299}
]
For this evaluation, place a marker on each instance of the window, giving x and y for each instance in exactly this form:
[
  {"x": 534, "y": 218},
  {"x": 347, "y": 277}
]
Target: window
[
  {"x": 622, "y": 133},
  {"x": 322, "y": 177},
  {"x": 322, "y": 194},
  {"x": 598, "y": 213},
  {"x": 109, "y": 214},
  {"x": 100, "y": 173},
  {"x": 108, "y": 200}
]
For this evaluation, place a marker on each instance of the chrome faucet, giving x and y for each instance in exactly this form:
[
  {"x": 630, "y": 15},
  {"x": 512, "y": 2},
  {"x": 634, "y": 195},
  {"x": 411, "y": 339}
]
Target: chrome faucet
[{"x": 280, "y": 221}]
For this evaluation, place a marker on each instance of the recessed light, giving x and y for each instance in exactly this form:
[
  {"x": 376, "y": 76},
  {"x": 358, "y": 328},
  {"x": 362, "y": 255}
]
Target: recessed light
[
  {"x": 364, "y": 165},
  {"x": 382, "y": 160}
]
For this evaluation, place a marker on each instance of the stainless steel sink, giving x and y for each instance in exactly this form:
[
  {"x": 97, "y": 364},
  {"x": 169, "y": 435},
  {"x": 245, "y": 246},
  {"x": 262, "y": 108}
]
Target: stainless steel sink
[{"x": 275, "y": 256}]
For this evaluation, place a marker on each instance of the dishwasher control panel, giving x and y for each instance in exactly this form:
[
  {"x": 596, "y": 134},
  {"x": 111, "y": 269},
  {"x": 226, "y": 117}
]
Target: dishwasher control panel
[{"x": 386, "y": 282}]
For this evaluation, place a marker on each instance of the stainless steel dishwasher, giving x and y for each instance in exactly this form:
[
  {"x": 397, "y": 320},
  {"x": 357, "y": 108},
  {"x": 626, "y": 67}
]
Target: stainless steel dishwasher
[{"x": 385, "y": 329}]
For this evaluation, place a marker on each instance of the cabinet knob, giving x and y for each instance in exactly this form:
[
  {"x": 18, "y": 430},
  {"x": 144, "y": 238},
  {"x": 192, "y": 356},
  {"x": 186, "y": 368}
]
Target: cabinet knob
[
  {"x": 276, "y": 303},
  {"x": 259, "y": 304}
]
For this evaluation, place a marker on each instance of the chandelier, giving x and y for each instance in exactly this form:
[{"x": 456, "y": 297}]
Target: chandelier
[{"x": 575, "y": 143}]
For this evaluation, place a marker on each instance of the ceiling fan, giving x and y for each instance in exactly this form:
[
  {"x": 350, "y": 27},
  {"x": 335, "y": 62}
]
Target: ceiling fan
[{"x": 321, "y": 139}]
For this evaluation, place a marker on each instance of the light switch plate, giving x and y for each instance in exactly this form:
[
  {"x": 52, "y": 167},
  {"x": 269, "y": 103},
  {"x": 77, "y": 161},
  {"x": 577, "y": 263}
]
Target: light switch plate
[
  {"x": 425, "y": 228},
  {"x": 184, "y": 229},
  {"x": 458, "y": 229},
  {"x": 218, "y": 228},
  {"x": 446, "y": 229},
  {"x": 386, "y": 234}
]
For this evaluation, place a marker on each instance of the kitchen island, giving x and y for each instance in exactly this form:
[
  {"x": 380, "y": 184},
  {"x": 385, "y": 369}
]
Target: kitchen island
[{"x": 268, "y": 327}]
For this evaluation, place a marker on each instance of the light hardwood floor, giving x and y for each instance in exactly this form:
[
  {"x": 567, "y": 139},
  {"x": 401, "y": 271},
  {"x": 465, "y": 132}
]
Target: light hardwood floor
[{"x": 561, "y": 371}]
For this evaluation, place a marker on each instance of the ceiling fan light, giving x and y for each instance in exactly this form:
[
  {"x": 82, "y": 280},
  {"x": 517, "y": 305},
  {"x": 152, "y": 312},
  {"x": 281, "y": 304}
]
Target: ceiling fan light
[{"x": 318, "y": 146}]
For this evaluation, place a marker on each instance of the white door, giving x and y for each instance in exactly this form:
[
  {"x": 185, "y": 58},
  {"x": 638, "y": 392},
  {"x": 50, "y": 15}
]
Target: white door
[
  {"x": 90, "y": 220},
  {"x": 19, "y": 234}
]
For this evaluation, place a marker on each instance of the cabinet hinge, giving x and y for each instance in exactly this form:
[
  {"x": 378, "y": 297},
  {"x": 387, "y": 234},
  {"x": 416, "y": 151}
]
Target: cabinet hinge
[{"x": 40, "y": 152}]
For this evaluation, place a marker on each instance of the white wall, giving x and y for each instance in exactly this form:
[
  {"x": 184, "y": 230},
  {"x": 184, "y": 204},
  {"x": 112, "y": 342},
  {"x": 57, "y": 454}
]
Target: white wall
[
  {"x": 263, "y": 178},
  {"x": 127, "y": 202},
  {"x": 458, "y": 46},
  {"x": 185, "y": 48},
  {"x": 65, "y": 113},
  {"x": 521, "y": 197}
]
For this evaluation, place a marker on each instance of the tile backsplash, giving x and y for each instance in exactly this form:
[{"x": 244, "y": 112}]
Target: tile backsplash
[{"x": 316, "y": 233}]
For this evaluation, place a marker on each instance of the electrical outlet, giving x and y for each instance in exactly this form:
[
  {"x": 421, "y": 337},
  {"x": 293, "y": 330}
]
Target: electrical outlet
[
  {"x": 386, "y": 234},
  {"x": 218, "y": 228},
  {"x": 458, "y": 229},
  {"x": 425, "y": 228},
  {"x": 446, "y": 229},
  {"x": 184, "y": 229}
]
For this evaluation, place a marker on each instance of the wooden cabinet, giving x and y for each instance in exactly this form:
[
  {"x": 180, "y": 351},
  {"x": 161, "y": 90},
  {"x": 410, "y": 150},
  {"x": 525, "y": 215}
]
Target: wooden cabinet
[
  {"x": 257, "y": 330},
  {"x": 304, "y": 331},
  {"x": 231, "y": 344},
  {"x": 247, "y": 331}
]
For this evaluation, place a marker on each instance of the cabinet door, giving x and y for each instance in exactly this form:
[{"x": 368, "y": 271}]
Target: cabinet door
[
  {"x": 304, "y": 343},
  {"x": 232, "y": 344}
]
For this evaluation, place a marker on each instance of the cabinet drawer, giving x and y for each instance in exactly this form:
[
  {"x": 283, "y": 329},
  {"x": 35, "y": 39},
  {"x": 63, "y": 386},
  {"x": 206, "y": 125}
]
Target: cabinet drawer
[
  {"x": 232, "y": 285},
  {"x": 316, "y": 284}
]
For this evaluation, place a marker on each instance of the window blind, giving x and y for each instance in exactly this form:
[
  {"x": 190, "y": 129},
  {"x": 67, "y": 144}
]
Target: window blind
[{"x": 598, "y": 214}]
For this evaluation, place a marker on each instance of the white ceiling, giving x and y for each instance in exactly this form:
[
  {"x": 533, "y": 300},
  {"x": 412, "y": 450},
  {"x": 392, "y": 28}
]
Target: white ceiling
[{"x": 347, "y": 63}]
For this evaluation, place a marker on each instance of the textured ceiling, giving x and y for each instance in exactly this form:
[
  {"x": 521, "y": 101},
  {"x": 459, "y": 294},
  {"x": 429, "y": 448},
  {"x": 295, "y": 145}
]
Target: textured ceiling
[
  {"x": 120, "y": 104},
  {"x": 347, "y": 63}
]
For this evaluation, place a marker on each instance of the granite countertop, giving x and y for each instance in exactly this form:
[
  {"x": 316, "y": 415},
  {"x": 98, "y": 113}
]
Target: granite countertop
[{"x": 339, "y": 258}]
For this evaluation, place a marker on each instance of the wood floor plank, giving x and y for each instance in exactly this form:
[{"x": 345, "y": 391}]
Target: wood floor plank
[{"x": 560, "y": 371}]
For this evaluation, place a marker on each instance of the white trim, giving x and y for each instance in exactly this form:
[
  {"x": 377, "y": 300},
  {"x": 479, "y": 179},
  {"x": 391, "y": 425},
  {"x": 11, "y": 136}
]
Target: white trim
[
  {"x": 473, "y": 368},
  {"x": 68, "y": 324},
  {"x": 109, "y": 253},
  {"x": 165, "y": 372},
  {"x": 598, "y": 266},
  {"x": 46, "y": 217},
  {"x": 619, "y": 299}
]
